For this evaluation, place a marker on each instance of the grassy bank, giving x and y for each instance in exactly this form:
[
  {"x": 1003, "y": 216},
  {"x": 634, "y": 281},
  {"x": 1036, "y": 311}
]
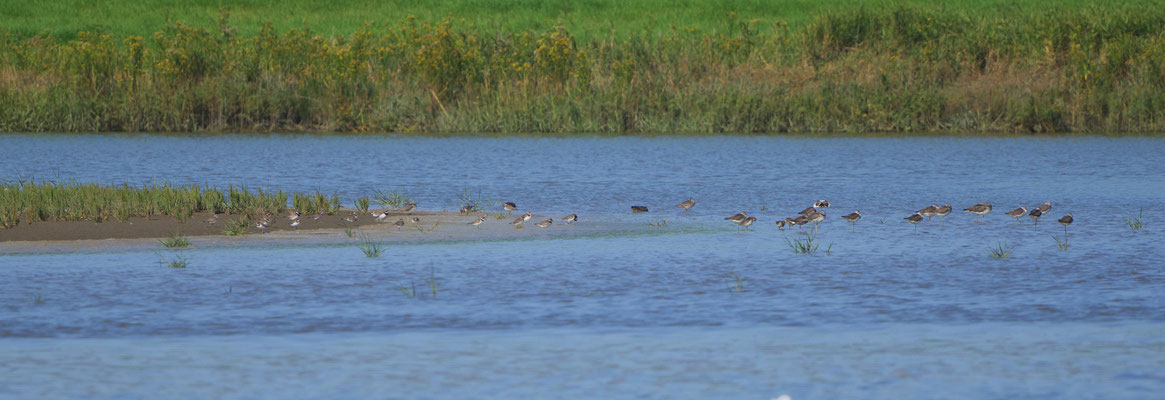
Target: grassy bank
[{"x": 851, "y": 69}]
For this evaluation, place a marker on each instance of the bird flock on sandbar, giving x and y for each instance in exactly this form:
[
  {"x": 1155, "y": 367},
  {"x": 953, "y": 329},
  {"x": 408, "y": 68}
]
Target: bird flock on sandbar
[{"x": 814, "y": 214}]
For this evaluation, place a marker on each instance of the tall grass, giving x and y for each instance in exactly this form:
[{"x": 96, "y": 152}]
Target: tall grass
[
  {"x": 395, "y": 198},
  {"x": 1001, "y": 251},
  {"x": 71, "y": 201},
  {"x": 312, "y": 203},
  {"x": 1136, "y": 223},
  {"x": 850, "y": 69},
  {"x": 370, "y": 248},
  {"x": 806, "y": 243},
  {"x": 176, "y": 241}
]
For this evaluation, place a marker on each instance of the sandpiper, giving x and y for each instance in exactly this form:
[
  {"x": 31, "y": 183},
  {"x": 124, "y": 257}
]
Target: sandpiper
[
  {"x": 1035, "y": 215},
  {"x": 928, "y": 211},
  {"x": 213, "y": 219},
  {"x": 816, "y": 217},
  {"x": 545, "y": 223},
  {"x": 943, "y": 212},
  {"x": 478, "y": 221},
  {"x": 318, "y": 216},
  {"x": 741, "y": 216},
  {"x": 408, "y": 207},
  {"x": 782, "y": 224},
  {"x": 800, "y": 221},
  {"x": 293, "y": 216},
  {"x": 295, "y": 223},
  {"x": 399, "y": 223},
  {"x": 687, "y": 205},
  {"x": 1017, "y": 213},
  {"x": 1065, "y": 220},
  {"x": 746, "y": 222},
  {"x": 979, "y": 210},
  {"x": 1044, "y": 208},
  {"x": 467, "y": 209},
  {"x": 517, "y": 223},
  {"x": 570, "y": 218},
  {"x": 807, "y": 211},
  {"x": 821, "y": 204},
  {"x": 638, "y": 209},
  {"x": 914, "y": 219},
  {"x": 509, "y": 206},
  {"x": 853, "y": 219}
]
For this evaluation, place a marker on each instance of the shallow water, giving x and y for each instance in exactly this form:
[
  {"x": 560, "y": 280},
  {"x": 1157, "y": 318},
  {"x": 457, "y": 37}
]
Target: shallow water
[{"x": 887, "y": 312}]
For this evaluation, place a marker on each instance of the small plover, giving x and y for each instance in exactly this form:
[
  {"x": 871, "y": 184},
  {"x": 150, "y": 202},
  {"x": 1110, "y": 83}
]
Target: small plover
[
  {"x": 399, "y": 223},
  {"x": 212, "y": 219},
  {"x": 781, "y": 224},
  {"x": 509, "y": 206},
  {"x": 746, "y": 222},
  {"x": 467, "y": 209},
  {"x": 478, "y": 221},
  {"x": 408, "y": 207},
  {"x": 295, "y": 223},
  {"x": 545, "y": 223},
  {"x": 293, "y": 216},
  {"x": 570, "y": 218}
]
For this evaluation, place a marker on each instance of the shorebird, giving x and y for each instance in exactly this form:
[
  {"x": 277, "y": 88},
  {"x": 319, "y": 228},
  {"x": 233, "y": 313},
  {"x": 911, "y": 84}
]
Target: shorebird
[
  {"x": 782, "y": 224},
  {"x": 746, "y": 222},
  {"x": 741, "y": 216},
  {"x": 1035, "y": 215},
  {"x": 293, "y": 216},
  {"x": 295, "y": 223},
  {"x": 351, "y": 217},
  {"x": 817, "y": 217},
  {"x": 318, "y": 216},
  {"x": 517, "y": 223},
  {"x": 914, "y": 219},
  {"x": 399, "y": 223},
  {"x": 799, "y": 221},
  {"x": 943, "y": 212},
  {"x": 380, "y": 215},
  {"x": 408, "y": 207},
  {"x": 638, "y": 209},
  {"x": 1044, "y": 208},
  {"x": 527, "y": 216},
  {"x": 928, "y": 211},
  {"x": 478, "y": 221},
  {"x": 570, "y": 218},
  {"x": 853, "y": 219},
  {"x": 1065, "y": 220},
  {"x": 213, "y": 219},
  {"x": 417, "y": 221},
  {"x": 687, "y": 205},
  {"x": 807, "y": 211},
  {"x": 821, "y": 204},
  {"x": 1017, "y": 213},
  {"x": 545, "y": 223},
  {"x": 979, "y": 210},
  {"x": 509, "y": 207},
  {"x": 467, "y": 209}
]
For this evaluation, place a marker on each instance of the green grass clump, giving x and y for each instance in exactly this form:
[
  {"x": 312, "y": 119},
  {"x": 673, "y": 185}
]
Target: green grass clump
[
  {"x": 1001, "y": 251},
  {"x": 176, "y": 262},
  {"x": 661, "y": 223},
  {"x": 394, "y": 199},
  {"x": 237, "y": 226},
  {"x": 738, "y": 280},
  {"x": 371, "y": 249},
  {"x": 176, "y": 241},
  {"x": 1136, "y": 223},
  {"x": 475, "y": 200},
  {"x": 806, "y": 243},
  {"x": 362, "y": 204},
  {"x": 699, "y": 68},
  {"x": 1062, "y": 245}
]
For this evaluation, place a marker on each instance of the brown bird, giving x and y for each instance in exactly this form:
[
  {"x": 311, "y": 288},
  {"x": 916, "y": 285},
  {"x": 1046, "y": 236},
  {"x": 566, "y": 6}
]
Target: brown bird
[
  {"x": 929, "y": 211},
  {"x": 478, "y": 221},
  {"x": 807, "y": 211},
  {"x": 1035, "y": 215},
  {"x": 399, "y": 223},
  {"x": 545, "y": 223},
  {"x": 416, "y": 220},
  {"x": 213, "y": 219},
  {"x": 800, "y": 221},
  {"x": 741, "y": 216},
  {"x": 638, "y": 209},
  {"x": 408, "y": 207},
  {"x": 1066, "y": 220},
  {"x": 914, "y": 219},
  {"x": 517, "y": 222},
  {"x": 853, "y": 219},
  {"x": 979, "y": 210},
  {"x": 816, "y": 217},
  {"x": 746, "y": 222},
  {"x": 821, "y": 204},
  {"x": 687, "y": 205},
  {"x": 509, "y": 206},
  {"x": 1044, "y": 208},
  {"x": 467, "y": 209},
  {"x": 570, "y": 218},
  {"x": 943, "y": 212},
  {"x": 782, "y": 224},
  {"x": 1017, "y": 213}
]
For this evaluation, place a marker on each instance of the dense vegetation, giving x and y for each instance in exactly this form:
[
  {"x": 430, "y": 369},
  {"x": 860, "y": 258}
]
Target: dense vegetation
[{"x": 851, "y": 69}]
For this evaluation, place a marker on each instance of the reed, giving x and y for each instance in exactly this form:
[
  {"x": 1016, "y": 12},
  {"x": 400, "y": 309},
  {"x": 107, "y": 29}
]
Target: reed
[
  {"x": 738, "y": 279},
  {"x": 900, "y": 68},
  {"x": 1001, "y": 250},
  {"x": 806, "y": 243},
  {"x": 1062, "y": 245},
  {"x": 433, "y": 281},
  {"x": 175, "y": 241},
  {"x": 1136, "y": 223},
  {"x": 237, "y": 226},
  {"x": 370, "y": 248},
  {"x": 474, "y": 200},
  {"x": 362, "y": 204},
  {"x": 176, "y": 262},
  {"x": 393, "y": 199},
  {"x": 661, "y": 223}
]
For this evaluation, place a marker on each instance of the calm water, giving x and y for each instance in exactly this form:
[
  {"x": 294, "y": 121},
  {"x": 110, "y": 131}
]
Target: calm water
[{"x": 886, "y": 313}]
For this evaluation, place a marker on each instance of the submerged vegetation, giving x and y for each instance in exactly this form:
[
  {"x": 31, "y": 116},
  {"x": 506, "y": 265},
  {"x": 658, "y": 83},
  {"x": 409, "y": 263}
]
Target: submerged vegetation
[
  {"x": 1001, "y": 251},
  {"x": 175, "y": 242},
  {"x": 1097, "y": 68}
]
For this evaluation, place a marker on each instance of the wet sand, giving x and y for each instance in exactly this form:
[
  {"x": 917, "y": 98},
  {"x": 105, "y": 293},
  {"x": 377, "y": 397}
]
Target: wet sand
[{"x": 434, "y": 226}]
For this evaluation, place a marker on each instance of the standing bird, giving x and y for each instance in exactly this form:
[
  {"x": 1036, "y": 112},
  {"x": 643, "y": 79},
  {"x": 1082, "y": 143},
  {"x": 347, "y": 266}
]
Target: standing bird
[
  {"x": 478, "y": 221},
  {"x": 687, "y": 205},
  {"x": 741, "y": 216},
  {"x": 380, "y": 215},
  {"x": 1035, "y": 215},
  {"x": 1044, "y": 208},
  {"x": 817, "y": 217},
  {"x": 638, "y": 209},
  {"x": 821, "y": 204},
  {"x": 802, "y": 220},
  {"x": 352, "y": 217},
  {"x": 517, "y": 223},
  {"x": 295, "y": 223},
  {"x": 914, "y": 219},
  {"x": 545, "y": 223},
  {"x": 509, "y": 207},
  {"x": 807, "y": 211},
  {"x": 408, "y": 207},
  {"x": 467, "y": 209},
  {"x": 853, "y": 219},
  {"x": 318, "y": 216},
  {"x": 943, "y": 212},
  {"x": 400, "y": 223},
  {"x": 979, "y": 210},
  {"x": 782, "y": 224},
  {"x": 527, "y": 216},
  {"x": 1017, "y": 213},
  {"x": 928, "y": 211},
  {"x": 746, "y": 222},
  {"x": 570, "y": 218},
  {"x": 293, "y": 216},
  {"x": 1066, "y": 220}
]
